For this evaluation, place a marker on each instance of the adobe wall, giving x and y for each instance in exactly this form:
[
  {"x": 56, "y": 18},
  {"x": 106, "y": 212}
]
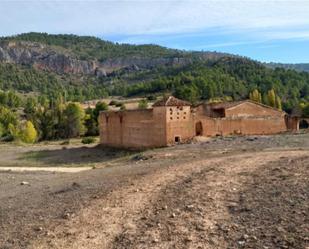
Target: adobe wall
[
  {"x": 131, "y": 129},
  {"x": 244, "y": 126},
  {"x": 249, "y": 109},
  {"x": 179, "y": 123},
  {"x": 161, "y": 125}
]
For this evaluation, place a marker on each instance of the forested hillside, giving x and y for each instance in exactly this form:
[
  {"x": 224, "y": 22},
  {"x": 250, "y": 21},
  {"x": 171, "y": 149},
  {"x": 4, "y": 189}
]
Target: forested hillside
[
  {"x": 300, "y": 67},
  {"x": 26, "y": 79},
  {"x": 87, "y": 47},
  {"x": 40, "y": 74}
]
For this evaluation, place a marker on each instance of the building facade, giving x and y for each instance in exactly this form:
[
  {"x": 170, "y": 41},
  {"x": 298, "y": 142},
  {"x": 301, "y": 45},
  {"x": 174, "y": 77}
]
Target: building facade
[{"x": 172, "y": 121}]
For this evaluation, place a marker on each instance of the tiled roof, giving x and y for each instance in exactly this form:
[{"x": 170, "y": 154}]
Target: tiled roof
[{"x": 171, "y": 101}]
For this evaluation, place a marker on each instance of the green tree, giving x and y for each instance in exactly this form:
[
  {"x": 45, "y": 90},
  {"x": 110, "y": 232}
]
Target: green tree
[
  {"x": 91, "y": 123},
  {"x": 13, "y": 100},
  {"x": 100, "y": 106},
  {"x": 143, "y": 104},
  {"x": 7, "y": 117},
  {"x": 91, "y": 118},
  {"x": 74, "y": 116},
  {"x": 305, "y": 110},
  {"x": 2, "y": 130},
  {"x": 188, "y": 93},
  {"x": 30, "y": 107}
]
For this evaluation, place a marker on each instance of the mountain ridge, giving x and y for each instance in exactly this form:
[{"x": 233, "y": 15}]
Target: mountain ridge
[
  {"x": 300, "y": 67},
  {"x": 90, "y": 55},
  {"x": 84, "y": 68}
]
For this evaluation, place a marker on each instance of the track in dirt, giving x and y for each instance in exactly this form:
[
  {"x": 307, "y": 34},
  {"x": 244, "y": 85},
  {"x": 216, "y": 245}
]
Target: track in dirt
[
  {"x": 217, "y": 203},
  {"x": 228, "y": 193}
]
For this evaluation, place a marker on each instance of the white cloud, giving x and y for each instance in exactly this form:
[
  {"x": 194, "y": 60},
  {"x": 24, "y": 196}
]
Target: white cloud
[{"x": 272, "y": 19}]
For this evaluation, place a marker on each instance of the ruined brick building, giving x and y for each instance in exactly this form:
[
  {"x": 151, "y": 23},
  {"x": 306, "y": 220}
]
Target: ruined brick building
[{"x": 172, "y": 121}]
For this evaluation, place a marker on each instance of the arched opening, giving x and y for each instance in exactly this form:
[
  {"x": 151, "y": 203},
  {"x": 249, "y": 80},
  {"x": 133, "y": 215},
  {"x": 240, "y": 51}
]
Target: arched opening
[
  {"x": 303, "y": 124},
  {"x": 199, "y": 129}
]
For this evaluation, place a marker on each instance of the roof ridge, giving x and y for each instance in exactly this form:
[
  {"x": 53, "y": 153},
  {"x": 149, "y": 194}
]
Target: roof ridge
[{"x": 171, "y": 101}]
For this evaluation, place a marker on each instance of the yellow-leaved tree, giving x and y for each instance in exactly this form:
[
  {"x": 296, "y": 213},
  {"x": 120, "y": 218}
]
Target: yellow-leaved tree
[
  {"x": 28, "y": 134},
  {"x": 256, "y": 96},
  {"x": 271, "y": 98}
]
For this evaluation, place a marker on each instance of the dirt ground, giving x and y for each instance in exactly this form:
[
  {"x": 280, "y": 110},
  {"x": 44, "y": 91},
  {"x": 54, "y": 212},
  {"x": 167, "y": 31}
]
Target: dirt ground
[{"x": 233, "y": 192}]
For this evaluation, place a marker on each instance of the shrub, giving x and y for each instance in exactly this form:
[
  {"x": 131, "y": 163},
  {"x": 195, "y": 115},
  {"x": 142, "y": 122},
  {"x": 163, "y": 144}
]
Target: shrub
[
  {"x": 118, "y": 104},
  {"x": 143, "y": 104},
  {"x": 113, "y": 102},
  {"x": 88, "y": 140},
  {"x": 151, "y": 98},
  {"x": 2, "y": 131},
  {"x": 122, "y": 107}
]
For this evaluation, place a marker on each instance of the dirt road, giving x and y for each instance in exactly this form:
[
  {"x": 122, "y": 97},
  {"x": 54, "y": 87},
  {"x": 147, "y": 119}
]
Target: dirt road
[{"x": 237, "y": 193}]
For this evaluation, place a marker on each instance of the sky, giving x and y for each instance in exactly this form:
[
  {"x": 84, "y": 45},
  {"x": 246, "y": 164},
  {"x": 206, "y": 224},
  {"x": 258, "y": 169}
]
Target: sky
[{"x": 264, "y": 30}]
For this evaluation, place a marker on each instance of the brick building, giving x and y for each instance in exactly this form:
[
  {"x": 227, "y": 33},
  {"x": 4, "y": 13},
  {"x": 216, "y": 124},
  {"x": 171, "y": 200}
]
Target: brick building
[{"x": 172, "y": 121}]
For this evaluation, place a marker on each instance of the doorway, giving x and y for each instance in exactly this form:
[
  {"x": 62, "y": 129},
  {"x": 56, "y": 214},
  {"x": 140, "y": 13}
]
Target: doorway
[
  {"x": 199, "y": 129},
  {"x": 303, "y": 124}
]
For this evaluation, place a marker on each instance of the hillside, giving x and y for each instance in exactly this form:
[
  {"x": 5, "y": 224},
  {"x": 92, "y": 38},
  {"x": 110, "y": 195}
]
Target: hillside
[
  {"x": 90, "y": 55},
  {"x": 82, "y": 67},
  {"x": 300, "y": 67}
]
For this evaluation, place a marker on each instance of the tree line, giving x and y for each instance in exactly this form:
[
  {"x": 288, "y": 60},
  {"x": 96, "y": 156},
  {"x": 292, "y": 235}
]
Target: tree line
[
  {"x": 34, "y": 119},
  {"x": 235, "y": 78}
]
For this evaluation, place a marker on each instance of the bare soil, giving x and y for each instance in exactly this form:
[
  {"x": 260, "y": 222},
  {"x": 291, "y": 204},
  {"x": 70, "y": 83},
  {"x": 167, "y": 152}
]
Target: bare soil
[{"x": 235, "y": 192}]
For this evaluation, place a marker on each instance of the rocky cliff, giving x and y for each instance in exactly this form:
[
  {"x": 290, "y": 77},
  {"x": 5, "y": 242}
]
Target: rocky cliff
[
  {"x": 60, "y": 60},
  {"x": 46, "y": 58}
]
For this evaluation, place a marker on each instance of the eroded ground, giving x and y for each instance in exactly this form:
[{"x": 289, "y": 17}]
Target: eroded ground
[{"x": 244, "y": 192}]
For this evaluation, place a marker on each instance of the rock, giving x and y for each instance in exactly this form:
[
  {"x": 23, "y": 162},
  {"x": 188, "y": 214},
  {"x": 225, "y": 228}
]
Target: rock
[
  {"x": 24, "y": 183},
  {"x": 75, "y": 185},
  {"x": 190, "y": 207},
  {"x": 241, "y": 242},
  {"x": 173, "y": 215},
  {"x": 38, "y": 229},
  {"x": 188, "y": 239},
  {"x": 155, "y": 240},
  {"x": 68, "y": 215},
  {"x": 245, "y": 236}
]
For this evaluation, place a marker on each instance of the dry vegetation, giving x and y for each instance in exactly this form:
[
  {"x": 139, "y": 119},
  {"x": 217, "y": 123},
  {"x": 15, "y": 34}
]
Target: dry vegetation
[{"x": 235, "y": 192}]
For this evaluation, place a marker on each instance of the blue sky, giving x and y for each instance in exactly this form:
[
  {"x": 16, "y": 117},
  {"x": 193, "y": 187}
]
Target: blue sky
[{"x": 266, "y": 30}]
